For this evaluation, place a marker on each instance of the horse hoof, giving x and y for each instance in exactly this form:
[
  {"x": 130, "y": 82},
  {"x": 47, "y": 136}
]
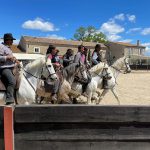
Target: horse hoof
[
  {"x": 65, "y": 102},
  {"x": 26, "y": 103}
]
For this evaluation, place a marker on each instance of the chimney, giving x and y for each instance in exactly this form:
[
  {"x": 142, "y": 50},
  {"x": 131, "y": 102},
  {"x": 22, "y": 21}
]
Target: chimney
[{"x": 138, "y": 42}]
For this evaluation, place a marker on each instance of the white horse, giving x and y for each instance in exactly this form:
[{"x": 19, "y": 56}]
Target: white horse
[
  {"x": 101, "y": 71},
  {"x": 68, "y": 74},
  {"x": 29, "y": 77}
]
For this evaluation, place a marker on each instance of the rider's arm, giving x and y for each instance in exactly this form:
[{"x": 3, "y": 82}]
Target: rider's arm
[
  {"x": 2, "y": 58},
  {"x": 94, "y": 58},
  {"x": 8, "y": 57},
  {"x": 77, "y": 58},
  {"x": 65, "y": 59}
]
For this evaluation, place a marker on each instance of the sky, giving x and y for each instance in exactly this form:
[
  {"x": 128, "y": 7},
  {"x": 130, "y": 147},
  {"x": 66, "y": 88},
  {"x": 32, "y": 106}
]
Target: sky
[{"x": 120, "y": 20}]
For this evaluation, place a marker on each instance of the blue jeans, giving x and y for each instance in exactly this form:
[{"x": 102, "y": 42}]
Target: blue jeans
[{"x": 9, "y": 81}]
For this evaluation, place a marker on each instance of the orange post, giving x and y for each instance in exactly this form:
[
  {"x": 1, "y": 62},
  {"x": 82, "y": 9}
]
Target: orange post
[{"x": 8, "y": 128}]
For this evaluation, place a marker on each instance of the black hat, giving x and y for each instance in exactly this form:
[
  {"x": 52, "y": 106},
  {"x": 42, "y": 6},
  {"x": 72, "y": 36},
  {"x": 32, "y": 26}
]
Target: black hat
[
  {"x": 8, "y": 36},
  {"x": 97, "y": 46}
]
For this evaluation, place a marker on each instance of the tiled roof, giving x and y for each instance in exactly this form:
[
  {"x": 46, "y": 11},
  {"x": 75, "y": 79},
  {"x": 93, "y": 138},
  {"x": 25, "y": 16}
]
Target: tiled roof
[
  {"x": 15, "y": 49},
  {"x": 59, "y": 42},
  {"x": 128, "y": 44}
]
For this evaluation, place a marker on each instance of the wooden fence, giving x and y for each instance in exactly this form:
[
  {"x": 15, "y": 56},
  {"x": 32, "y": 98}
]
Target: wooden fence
[
  {"x": 1, "y": 129},
  {"x": 140, "y": 67},
  {"x": 81, "y": 127}
]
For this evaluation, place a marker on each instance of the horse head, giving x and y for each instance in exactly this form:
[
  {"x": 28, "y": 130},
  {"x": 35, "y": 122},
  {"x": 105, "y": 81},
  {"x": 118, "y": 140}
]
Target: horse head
[
  {"x": 127, "y": 66},
  {"x": 122, "y": 64},
  {"x": 48, "y": 70},
  {"x": 74, "y": 70},
  {"x": 82, "y": 71}
]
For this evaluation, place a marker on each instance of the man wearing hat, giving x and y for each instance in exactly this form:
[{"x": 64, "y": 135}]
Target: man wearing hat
[{"x": 7, "y": 63}]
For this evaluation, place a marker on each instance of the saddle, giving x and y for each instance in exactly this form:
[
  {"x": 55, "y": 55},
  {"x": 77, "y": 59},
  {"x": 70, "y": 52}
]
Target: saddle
[{"x": 16, "y": 73}]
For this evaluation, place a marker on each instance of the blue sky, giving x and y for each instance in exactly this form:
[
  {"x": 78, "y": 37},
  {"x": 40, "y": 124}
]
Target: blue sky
[{"x": 120, "y": 20}]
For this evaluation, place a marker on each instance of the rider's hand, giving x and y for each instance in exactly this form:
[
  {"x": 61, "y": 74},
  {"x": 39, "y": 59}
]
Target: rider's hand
[
  {"x": 17, "y": 62},
  {"x": 11, "y": 58}
]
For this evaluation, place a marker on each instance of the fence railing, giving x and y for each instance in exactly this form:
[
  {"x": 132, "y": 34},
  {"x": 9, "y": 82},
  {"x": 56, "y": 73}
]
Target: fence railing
[{"x": 80, "y": 127}]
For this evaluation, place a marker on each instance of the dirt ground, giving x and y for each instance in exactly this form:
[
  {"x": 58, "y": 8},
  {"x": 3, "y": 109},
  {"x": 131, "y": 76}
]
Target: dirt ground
[{"x": 132, "y": 89}]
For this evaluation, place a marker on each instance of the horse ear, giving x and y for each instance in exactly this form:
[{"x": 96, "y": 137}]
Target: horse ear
[{"x": 79, "y": 63}]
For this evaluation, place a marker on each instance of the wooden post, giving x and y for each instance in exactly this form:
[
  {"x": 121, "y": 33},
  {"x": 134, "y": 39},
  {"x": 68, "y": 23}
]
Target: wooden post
[{"x": 8, "y": 128}]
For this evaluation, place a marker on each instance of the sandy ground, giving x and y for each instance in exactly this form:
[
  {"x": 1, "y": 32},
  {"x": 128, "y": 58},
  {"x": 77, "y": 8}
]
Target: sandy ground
[{"x": 132, "y": 89}]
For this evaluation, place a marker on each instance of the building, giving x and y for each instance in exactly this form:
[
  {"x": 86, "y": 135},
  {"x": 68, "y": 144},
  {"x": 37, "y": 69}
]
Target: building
[
  {"x": 39, "y": 45},
  {"x": 119, "y": 49},
  {"x": 16, "y": 49}
]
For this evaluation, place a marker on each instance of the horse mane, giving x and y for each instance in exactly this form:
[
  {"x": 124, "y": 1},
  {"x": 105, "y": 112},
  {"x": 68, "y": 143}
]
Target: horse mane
[
  {"x": 32, "y": 65},
  {"x": 69, "y": 70},
  {"x": 97, "y": 68},
  {"x": 117, "y": 62}
]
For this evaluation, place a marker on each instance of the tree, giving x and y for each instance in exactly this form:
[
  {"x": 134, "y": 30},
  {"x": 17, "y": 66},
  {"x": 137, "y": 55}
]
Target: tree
[
  {"x": 90, "y": 34},
  {"x": 80, "y": 33}
]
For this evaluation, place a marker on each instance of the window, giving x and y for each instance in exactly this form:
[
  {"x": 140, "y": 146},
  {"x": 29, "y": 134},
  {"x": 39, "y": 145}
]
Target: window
[{"x": 36, "y": 50}]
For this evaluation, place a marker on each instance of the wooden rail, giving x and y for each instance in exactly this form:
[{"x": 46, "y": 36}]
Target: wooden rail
[
  {"x": 1, "y": 129},
  {"x": 82, "y": 127}
]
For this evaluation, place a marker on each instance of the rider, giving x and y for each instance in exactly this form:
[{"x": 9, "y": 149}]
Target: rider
[
  {"x": 68, "y": 58},
  {"x": 52, "y": 54},
  {"x": 81, "y": 57},
  {"x": 96, "y": 56},
  {"x": 7, "y": 63}
]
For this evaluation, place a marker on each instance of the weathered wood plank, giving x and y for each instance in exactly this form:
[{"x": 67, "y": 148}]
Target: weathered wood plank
[
  {"x": 105, "y": 145},
  {"x": 82, "y": 127},
  {"x": 1, "y": 129},
  {"x": 82, "y": 113},
  {"x": 123, "y": 133}
]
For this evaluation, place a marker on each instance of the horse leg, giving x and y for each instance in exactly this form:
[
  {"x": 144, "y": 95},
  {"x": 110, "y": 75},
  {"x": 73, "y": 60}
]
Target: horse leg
[
  {"x": 89, "y": 98},
  {"x": 105, "y": 91},
  {"x": 15, "y": 96},
  {"x": 115, "y": 94}
]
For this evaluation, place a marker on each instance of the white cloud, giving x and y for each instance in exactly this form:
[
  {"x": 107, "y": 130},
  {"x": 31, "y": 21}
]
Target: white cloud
[
  {"x": 133, "y": 30},
  {"x": 111, "y": 27},
  {"x": 145, "y": 31},
  {"x": 126, "y": 40},
  {"x": 113, "y": 37},
  {"x": 131, "y": 18},
  {"x": 16, "y": 41},
  {"x": 147, "y": 50},
  {"x": 120, "y": 17},
  {"x": 39, "y": 24},
  {"x": 146, "y": 44},
  {"x": 54, "y": 36}
]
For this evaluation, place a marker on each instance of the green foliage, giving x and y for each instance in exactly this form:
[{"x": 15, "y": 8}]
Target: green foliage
[{"x": 90, "y": 34}]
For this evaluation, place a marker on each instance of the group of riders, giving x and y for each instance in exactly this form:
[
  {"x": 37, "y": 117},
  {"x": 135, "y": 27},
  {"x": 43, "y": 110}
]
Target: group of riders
[{"x": 8, "y": 62}]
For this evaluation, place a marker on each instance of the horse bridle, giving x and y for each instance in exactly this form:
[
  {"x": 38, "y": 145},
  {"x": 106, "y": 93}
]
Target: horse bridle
[{"x": 50, "y": 74}]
